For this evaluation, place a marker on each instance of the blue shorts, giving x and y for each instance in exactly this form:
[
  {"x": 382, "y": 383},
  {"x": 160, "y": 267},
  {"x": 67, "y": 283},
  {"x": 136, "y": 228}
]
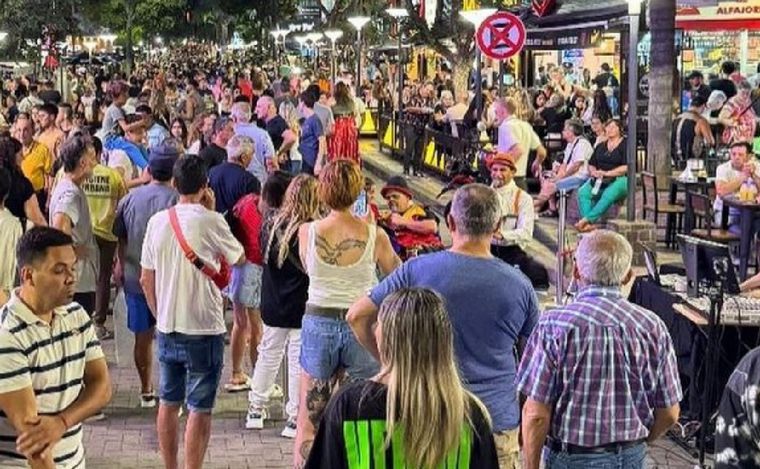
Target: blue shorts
[
  {"x": 139, "y": 317},
  {"x": 245, "y": 285},
  {"x": 190, "y": 369},
  {"x": 328, "y": 344}
]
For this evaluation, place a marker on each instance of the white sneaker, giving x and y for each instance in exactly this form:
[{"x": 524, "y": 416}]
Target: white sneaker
[
  {"x": 148, "y": 401},
  {"x": 95, "y": 418},
  {"x": 276, "y": 392},
  {"x": 290, "y": 429},
  {"x": 255, "y": 418}
]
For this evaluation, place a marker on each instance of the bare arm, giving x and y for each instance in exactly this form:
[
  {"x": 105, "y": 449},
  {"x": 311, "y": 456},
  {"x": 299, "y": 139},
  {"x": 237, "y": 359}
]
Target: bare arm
[
  {"x": 33, "y": 212},
  {"x": 751, "y": 283},
  {"x": 148, "y": 283},
  {"x": 20, "y": 408},
  {"x": 419, "y": 226},
  {"x": 663, "y": 420},
  {"x": 703, "y": 127},
  {"x": 62, "y": 222},
  {"x": 361, "y": 316},
  {"x": 536, "y": 418},
  {"x": 387, "y": 259},
  {"x": 724, "y": 188},
  {"x": 619, "y": 171}
]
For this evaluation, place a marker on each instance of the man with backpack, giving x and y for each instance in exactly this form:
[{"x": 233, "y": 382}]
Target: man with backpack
[{"x": 691, "y": 132}]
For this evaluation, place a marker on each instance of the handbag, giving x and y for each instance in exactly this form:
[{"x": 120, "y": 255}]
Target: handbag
[{"x": 221, "y": 278}]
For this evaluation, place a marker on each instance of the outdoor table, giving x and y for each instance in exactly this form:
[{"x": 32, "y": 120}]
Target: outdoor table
[
  {"x": 700, "y": 185},
  {"x": 747, "y": 211}
]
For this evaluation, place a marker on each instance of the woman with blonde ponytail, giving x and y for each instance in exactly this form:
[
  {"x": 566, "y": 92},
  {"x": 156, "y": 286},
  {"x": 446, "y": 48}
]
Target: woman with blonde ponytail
[
  {"x": 415, "y": 412},
  {"x": 283, "y": 298}
]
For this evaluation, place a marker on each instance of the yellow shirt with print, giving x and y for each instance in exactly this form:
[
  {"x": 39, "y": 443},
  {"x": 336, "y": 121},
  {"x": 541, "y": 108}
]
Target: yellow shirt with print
[
  {"x": 104, "y": 189},
  {"x": 37, "y": 163}
]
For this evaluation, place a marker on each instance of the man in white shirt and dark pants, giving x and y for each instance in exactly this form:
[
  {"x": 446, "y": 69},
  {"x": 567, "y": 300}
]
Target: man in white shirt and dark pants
[
  {"x": 517, "y": 220},
  {"x": 188, "y": 307},
  {"x": 729, "y": 178},
  {"x": 517, "y": 138}
]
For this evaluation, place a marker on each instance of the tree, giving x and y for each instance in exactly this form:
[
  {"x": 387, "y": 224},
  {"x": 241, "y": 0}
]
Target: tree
[
  {"x": 662, "y": 14},
  {"x": 26, "y": 19}
]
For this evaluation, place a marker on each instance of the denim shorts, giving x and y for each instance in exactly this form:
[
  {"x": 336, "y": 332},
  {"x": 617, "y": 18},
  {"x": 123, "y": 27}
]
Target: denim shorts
[
  {"x": 245, "y": 285},
  {"x": 328, "y": 344},
  {"x": 139, "y": 317},
  {"x": 190, "y": 369}
]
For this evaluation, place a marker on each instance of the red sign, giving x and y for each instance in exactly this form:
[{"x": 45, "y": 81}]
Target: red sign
[
  {"x": 542, "y": 7},
  {"x": 501, "y": 36}
]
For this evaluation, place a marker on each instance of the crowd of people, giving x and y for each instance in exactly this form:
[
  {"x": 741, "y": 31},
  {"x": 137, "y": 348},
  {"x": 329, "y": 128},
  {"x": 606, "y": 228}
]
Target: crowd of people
[{"x": 246, "y": 193}]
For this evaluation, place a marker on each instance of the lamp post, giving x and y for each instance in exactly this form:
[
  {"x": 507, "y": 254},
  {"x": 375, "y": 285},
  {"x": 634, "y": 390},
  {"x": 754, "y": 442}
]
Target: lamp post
[
  {"x": 476, "y": 18},
  {"x": 278, "y": 34},
  {"x": 358, "y": 22},
  {"x": 397, "y": 14},
  {"x": 90, "y": 44},
  {"x": 333, "y": 35},
  {"x": 634, "y": 11}
]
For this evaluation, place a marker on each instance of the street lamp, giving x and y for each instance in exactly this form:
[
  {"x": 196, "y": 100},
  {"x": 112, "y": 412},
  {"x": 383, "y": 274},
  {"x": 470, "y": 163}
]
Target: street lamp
[
  {"x": 90, "y": 44},
  {"x": 476, "y": 18},
  {"x": 3, "y": 35},
  {"x": 634, "y": 11},
  {"x": 358, "y": 22},
  {"x": 333, "y": 35},
  {"x": 278, "y": 34},
  {"x": 398, "y": 14}
]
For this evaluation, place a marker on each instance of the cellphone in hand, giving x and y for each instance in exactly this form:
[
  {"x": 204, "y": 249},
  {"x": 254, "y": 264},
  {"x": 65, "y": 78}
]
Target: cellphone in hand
[{"x": 361, "y": 205}]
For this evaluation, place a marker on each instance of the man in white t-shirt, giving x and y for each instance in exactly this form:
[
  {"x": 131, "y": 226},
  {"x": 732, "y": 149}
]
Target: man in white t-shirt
[
  {"x": 188, "y": 308},
  {"x": 517, "y": 138},
  {"x": 729, "y": 178}
]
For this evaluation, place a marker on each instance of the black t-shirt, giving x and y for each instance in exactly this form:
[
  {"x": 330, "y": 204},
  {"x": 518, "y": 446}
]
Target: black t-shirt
[
  {"x": 363, "y": 403},
  {"x": 725, "y": 85},
  {"x": 230, "y": 182},
  {"x": 284, "y": 290},
  {"x": 605, "y": 160},
  {"x": 275, "y": 128},
  {"x": 20, "y": 191},
  {"x": 213, "y": 155}
]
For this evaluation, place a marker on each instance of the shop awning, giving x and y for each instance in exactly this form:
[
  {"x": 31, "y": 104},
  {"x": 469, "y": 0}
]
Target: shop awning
[
  {"x": 722, "y": 16},
  {"x": 572, "y": 12},
  {"x": 579, "y": 36}
]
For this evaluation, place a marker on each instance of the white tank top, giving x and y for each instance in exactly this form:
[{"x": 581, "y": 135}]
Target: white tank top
[{"x": 333, "y": 286}]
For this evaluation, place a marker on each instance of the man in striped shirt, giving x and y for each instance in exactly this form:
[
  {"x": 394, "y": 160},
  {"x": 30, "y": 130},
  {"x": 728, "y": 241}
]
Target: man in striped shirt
[
  {"x": 600, "y": 374},
  {"x": 53, "y": 373}
]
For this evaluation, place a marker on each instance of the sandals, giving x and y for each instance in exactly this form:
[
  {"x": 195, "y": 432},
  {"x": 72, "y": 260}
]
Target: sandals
[{"x": 239, "y": 383}]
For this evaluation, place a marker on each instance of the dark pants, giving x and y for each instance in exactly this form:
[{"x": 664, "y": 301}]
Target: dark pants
[
  {"x": 103, "y": 290},
  {"x": 514, "y": 255},
  {"x": 87, "y": 301},
  {"x": 413, "y": 139}
]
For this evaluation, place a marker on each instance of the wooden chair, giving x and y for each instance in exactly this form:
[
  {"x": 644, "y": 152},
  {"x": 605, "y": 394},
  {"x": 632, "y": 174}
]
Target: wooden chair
[
  {"x": 652, "y": 204},
  {"x": 701, "y": 207}
]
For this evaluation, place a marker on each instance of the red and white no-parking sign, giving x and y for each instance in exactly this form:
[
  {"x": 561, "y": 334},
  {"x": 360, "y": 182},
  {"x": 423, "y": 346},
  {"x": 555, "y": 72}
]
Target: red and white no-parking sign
[{"x": 501, "y": 35}]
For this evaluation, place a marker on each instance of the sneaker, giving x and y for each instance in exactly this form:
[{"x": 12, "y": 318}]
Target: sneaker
[
  {"x": 255, "y": 418},
  {"x": 148, "y": 401},
  {"x": 290, "y": 429},
  {"x": 95, "y": 418},
  {"x": 102, "y": 333}
]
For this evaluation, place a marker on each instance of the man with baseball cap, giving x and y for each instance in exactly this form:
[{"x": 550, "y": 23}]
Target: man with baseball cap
[
  {"x": 132, "y": 217},
  {"x": 517, "y": 220},
  {"x": 412, "y": 227},
  {"x": 697, "y": 85}
]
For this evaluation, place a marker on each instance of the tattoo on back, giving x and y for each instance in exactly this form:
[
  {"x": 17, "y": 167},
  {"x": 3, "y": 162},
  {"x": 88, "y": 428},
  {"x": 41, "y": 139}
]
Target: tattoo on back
[{"x": 331, "y": 254}]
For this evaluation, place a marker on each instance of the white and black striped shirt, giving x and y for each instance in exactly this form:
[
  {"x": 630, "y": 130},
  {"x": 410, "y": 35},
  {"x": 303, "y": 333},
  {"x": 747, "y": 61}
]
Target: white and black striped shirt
[{"x": 51, "y": 359}]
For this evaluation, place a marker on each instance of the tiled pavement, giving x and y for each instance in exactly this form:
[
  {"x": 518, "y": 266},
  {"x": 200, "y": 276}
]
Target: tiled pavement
[{"x": 127, "y": 439}]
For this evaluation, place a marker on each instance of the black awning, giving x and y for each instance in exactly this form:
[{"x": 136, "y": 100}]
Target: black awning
[
  {"x": 581, "y": 36},
  {"x": 572, "y": 12}
]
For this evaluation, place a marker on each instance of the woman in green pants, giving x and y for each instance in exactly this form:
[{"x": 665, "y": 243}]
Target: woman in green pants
[{"x": 608, "y": 163}]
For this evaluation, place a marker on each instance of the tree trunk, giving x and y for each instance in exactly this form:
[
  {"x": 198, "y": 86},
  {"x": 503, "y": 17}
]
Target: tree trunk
[
  {"x": 662, "y": 23},
  {"x": 130, "y": 7},
  {"x": 460, "y": 73}
]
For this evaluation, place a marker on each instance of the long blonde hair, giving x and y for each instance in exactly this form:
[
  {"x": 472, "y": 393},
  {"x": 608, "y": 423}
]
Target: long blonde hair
[
  {"x": 426, "y": 400},
  {"x": 300, "y": 205}
]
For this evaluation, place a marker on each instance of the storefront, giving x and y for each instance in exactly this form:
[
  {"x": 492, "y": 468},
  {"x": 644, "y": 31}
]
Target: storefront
[
  {"x": 579, "y": 35},
  {"x": 726, "y": 30}
]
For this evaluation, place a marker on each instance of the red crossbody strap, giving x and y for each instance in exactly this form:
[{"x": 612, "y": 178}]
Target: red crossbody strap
[{"x": 189, "y": 253}]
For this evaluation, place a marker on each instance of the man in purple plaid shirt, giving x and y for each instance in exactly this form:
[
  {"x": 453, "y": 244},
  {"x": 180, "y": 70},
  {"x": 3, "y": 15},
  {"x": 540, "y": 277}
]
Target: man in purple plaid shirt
[{"x": 600, "y": 374}]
